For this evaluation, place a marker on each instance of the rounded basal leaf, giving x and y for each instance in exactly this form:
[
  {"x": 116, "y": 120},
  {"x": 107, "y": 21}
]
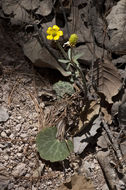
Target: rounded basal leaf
[
  {"x": 62, "y": 88},
  {"x": 50, "y": 148}
]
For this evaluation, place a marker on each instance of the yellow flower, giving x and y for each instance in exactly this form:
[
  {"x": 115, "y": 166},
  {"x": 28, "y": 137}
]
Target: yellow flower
[
  {"x": 54, "y": 33},
  {"x": 73, "y": 39}
]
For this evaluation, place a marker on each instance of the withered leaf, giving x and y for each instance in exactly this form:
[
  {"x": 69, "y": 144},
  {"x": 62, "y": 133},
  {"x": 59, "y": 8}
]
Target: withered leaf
[
  {"x": 88, "y": 114},
  {"x": 106, "y": 115},
  {"x": 107, "y": 79}
]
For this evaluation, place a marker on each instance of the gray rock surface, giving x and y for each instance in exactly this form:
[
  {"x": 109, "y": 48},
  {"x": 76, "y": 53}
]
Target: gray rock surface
[
  {"x": 41, "y": 57},
  {"x": 116, "y": 27},
  {"x": 45, "y": 7},
  {"x": 81, "y": 141}
]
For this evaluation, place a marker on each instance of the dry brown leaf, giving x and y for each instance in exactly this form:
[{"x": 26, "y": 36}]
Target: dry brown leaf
[
  {"x": 107, "y": 116},
  {"x": 107, "y": 79},
  {"x": 89, "y": 113}
]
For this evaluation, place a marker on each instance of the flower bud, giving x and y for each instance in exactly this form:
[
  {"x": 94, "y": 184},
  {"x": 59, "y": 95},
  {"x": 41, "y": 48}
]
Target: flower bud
[{"x": 73, "y": 39}]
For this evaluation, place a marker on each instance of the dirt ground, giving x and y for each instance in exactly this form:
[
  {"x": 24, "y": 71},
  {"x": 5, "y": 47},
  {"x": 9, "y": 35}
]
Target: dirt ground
[
  {"x": 27, "y": 105},
  {"x": 21, "y": 168}
]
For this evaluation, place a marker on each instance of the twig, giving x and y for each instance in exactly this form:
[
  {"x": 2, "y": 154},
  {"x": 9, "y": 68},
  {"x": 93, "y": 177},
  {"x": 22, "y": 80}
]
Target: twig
[
  {"x": 12, "y": 91},
  {"x": 114, "y": 143}
]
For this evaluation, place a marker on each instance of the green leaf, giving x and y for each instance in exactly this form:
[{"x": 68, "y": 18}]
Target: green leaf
[
  {"x": 63, "y": 61},
  {"x": 62, "y": 88},
  {"x": 77, "y": 56},
  {"x": 76, "y": 62},
  {"x": 50, "y": 148},
  {"x": 69, "y": 54}
]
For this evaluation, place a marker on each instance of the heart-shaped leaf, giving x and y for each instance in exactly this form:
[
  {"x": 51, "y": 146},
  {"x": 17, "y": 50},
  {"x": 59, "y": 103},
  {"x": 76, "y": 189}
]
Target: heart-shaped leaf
[{"x": 50, "y": 148}]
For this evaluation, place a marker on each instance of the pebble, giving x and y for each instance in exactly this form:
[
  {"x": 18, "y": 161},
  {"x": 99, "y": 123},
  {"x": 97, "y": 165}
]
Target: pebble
[
  {"x": 18, "y": 127},
  {"x": 11, "y": 136},
  {"x": 19, "y": 155},
  {"x": 23, "y": 135},
  {"x": 19, "y": 170},
  {"x": 34, "y": 188},
  {"x": 38, "y": 172},
  {"x": 6, "y": 157},
  {"x": 3, "y": 114},
  {"x": 10, "y": 186},
  {"x": 8, "y": 132},
  {"x": 3, "y": 134}
]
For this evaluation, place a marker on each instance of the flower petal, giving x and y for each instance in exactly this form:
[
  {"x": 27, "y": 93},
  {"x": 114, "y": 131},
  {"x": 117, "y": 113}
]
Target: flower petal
[
  {"x": 49, "y": 30},
  {"x": 55, "y": 27},
  {"x": 49, "y": 37},
  {"x": 60, "y": 33},
  {"x": 56, "y": 37}
]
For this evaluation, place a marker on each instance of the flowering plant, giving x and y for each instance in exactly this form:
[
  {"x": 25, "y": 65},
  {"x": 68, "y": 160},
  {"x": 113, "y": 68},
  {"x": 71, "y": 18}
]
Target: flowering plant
[{"x": 54, "y": 33}]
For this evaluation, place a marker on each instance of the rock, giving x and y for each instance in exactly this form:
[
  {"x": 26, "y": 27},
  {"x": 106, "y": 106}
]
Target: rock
[
  {"x": 105, "y": 187},
  {"x": 4, "y": 182},
  {"x": 86, "y": 169},
  {"x": 34, "y": 188},
  {"x": 45, "y": 7},
  {"x": 19, "y": 13},
  {"x": 30, "y": 5},
  {"x": 19, "y": 170},
  {"x": 8, "y": 6},
  {"x": 38, "y": 172},
  {"x": 18, "y": 127},
  {"x": 11, "y": 186},
  {"x": 4, "y": 178},
  {"x": 116, "y": 27},
  {"x": 3, "y": 134},
  {"x": 123, "y": 148},
  {"x": 41, "y": 57},
  {"x": 102, "y": 142},
  {"x": 81, "y": 141},
  {"x": 3, "y": 114}
]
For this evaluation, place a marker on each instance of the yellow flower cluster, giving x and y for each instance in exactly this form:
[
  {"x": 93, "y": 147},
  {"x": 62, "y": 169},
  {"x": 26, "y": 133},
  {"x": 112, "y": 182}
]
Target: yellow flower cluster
[{"x": 54, "y": 33}]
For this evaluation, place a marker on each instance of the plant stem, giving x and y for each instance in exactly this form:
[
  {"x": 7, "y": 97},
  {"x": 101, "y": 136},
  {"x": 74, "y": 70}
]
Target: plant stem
[
  {"x": 62, "y": 50},
  {"x": 80, "y": 72}
]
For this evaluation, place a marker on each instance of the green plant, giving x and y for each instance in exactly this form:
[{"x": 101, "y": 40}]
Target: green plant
[
  {"x": 50, "y": 147},
  {"x": 62, "y": 87}
]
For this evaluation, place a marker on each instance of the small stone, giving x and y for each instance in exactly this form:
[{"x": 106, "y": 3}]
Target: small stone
[
  {"x": 102, "y": 142},
  {"x": 3, "y": 114},
  {"x": 19, "y": 170},
  {"x": 35, "y": 174},
  {"x": 11, "y": 136},
  {"x": 38, "y": 172},
  {"x": 19, "y": 155},
  {"x": 6, "y": 157},
  {"x": 18, "y": 127},
  {"x": 3, "y": 134},
  {"x": 23, "y": 135},
  {"x": 34, "y": 188},
  {"x": 10, "y": 186},
  {"x": 19, "y": 118},
  {"x": 8, "y": 132}
]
